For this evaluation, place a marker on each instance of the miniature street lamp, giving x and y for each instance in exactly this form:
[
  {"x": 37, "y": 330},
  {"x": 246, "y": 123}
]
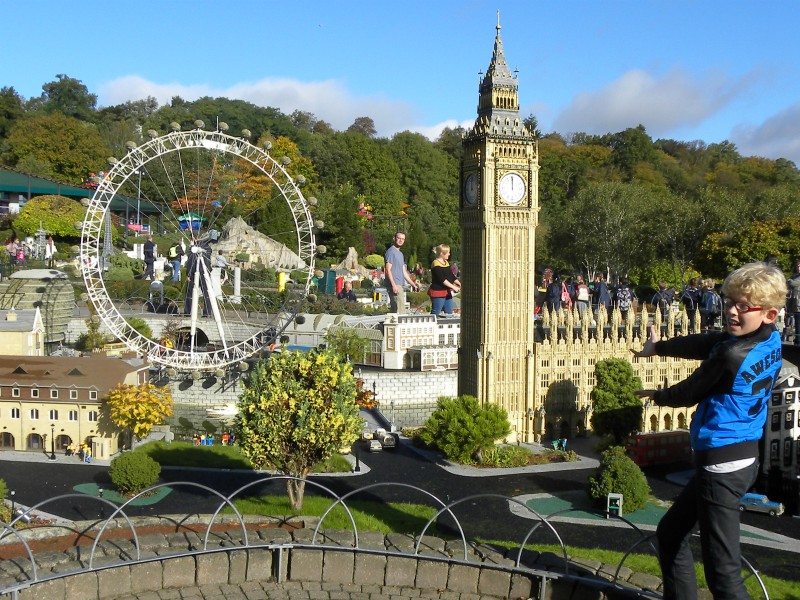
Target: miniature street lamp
[{"x": 52, "y": 441}]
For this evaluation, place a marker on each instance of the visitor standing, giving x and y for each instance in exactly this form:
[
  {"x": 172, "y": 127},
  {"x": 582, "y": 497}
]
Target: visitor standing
[
  {"x": 175, "y": 254},
  {"x": 149, "y": 258},
  {"x": 397, "y": 275}
]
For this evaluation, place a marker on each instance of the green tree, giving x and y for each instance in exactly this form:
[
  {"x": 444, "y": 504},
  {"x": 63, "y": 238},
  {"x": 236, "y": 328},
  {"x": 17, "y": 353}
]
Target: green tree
[
  {"x": 296, "y": 410},
  {"x": 363, "y": 126},
  {"x": 338, "y": 209},
  {"x": 71, "y": 147},
  {"x": 69, "y": 97},
  {"x": 56, "y": 214},
  {"x": 10, "y": 109},
  {"x": 605, "y": 227},
  {"x": 617, "y": 410},
  {"x": 346, "y": 342},
  {"x": 463, "y": 429},
  {"x": 619, "y": 474}
]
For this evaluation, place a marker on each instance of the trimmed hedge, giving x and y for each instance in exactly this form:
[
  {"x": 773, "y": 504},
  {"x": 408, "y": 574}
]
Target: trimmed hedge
[{"x": 132, "y": 472}]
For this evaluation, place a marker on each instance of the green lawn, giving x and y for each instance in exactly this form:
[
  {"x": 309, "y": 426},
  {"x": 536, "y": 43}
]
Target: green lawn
[
  {"x": 779, "y": 589},
  {"x": 369, "y": 516}
]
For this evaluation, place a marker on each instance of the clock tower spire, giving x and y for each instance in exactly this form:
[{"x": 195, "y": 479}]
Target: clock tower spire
[{"x": 498, "y": 213}]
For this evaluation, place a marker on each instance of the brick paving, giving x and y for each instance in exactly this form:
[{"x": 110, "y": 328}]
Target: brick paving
[{"x": 293, "y": 590}]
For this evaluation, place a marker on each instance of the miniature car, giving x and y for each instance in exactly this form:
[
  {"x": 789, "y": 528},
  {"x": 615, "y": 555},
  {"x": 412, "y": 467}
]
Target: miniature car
[
  {"x": 380, "y": 439},
  {"x": 760, "y": 503}
]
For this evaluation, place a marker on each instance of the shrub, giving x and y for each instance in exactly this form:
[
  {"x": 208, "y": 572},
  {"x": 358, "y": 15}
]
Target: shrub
[
  {"x": 374, "y": 261},
  {"x": 119, "y": 274},
  {"x": 506, "y": 456},
  {"x": 618, "y": 473},
  {"x": 132, "y": 472},
  {"x": 463, "y": 429},
  {"x": 3, "y": 490}
]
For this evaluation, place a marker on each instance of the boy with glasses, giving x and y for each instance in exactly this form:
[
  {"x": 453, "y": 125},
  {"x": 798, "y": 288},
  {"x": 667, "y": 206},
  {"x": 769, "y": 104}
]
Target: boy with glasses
[{"x": 731, "y": 388}]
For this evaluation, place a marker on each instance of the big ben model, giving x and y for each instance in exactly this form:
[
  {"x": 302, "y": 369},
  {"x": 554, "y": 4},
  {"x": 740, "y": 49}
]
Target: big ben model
[{"x": 499, "y": 205}]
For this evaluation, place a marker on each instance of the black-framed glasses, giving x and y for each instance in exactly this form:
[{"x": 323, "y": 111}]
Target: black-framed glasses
[{"x": 741, "y": 307}]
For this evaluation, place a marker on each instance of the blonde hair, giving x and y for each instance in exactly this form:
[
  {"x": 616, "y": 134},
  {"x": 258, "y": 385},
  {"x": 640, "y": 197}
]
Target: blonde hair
[
  {"x": 441, "y": 250},
  {"x": 758, "y": 283}
]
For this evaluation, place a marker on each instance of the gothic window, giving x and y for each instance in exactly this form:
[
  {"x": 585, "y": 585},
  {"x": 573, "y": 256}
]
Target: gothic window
[{"x": 775, "y": 424}]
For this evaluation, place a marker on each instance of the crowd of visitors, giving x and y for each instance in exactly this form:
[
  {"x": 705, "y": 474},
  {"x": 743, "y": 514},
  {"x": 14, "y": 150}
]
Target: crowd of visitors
[{"x": 698, "y": 295}]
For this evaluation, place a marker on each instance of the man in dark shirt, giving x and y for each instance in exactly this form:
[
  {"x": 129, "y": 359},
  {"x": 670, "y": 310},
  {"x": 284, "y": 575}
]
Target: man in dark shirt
[{"x": 149, "y": 258}]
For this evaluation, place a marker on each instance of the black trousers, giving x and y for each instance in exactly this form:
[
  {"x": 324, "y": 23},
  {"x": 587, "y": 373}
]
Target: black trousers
[{"x": 712, "y": 501}]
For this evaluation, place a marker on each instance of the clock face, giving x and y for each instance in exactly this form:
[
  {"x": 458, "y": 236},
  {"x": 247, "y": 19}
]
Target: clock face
[
  {"x": 512, "y": 188},
  {"x": 471, "y": 189}
]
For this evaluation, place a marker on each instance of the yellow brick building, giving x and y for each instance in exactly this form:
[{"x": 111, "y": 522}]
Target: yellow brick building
[{"x": 46, "y": 403}]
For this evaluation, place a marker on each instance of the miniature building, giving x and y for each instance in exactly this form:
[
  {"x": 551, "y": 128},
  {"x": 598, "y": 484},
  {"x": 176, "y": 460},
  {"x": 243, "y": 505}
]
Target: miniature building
[
  {"x": 61, "y": 397},
  {"x": 782, "y": 435},
  {"x": 499, "y": 210},
  {"x": 46, "y": 288},
  {"x": 22, "y": 332}
]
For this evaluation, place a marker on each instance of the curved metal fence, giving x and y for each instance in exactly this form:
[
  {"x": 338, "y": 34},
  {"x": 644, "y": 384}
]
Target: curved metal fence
[{"x": 31, "y": 573}]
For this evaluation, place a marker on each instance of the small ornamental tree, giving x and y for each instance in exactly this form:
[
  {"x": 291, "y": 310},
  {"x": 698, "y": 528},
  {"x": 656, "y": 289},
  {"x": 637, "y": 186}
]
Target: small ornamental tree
[
  {"x": 138, "y": 408},
  {"x": 619, "y": 474},
  {"x": 463, "y": 429},
  {"x": 617, "y": 410},
  {"x": 346, "y": 342},
  {"x": 297, "y": 409}
]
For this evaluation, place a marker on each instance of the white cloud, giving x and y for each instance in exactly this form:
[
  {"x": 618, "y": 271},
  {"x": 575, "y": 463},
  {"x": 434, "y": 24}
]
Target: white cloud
[
  {"x": 327, "y": 100},
  {"x": 434, "y": 131},
  {"x": 777, "y": 137},
  {"x": 661, "y": 104}
]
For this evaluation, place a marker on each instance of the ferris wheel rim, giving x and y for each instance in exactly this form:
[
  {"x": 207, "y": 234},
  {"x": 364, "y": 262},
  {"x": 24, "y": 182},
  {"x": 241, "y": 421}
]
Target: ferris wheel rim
[{"x": 92, "y": 236}]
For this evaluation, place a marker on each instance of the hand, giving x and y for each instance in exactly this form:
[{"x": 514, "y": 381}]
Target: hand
[
  {"x": 649, "y": 348},
  {"x": 644, "y": 393}
]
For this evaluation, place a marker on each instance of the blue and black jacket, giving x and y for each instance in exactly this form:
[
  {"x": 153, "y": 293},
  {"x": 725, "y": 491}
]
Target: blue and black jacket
[{"x": 731, "y": 389}]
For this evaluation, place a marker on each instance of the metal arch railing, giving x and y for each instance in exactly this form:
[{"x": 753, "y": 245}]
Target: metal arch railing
[
  {"x": 119, "y": 510},
  {"x": 270, "y": 480},
  {"x": 389, "y": 484},
  {"x": 36, "y": 576}
]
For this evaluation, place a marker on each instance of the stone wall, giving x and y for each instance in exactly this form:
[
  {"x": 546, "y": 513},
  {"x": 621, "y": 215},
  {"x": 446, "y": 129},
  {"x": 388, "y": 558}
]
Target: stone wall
[
  {"x": 329, "y": 567},
  {"x": 407, "y": 398}
]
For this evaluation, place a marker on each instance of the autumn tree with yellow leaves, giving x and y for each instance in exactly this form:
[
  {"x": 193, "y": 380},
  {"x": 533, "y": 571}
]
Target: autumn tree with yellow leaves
[
  {"x": 137, "y": 408},
  {"x": 297, "y": 409}
]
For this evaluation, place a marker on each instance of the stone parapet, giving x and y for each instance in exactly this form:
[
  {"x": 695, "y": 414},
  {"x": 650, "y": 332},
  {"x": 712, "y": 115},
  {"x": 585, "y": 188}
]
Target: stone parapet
[{"x": 174, "y": 557}]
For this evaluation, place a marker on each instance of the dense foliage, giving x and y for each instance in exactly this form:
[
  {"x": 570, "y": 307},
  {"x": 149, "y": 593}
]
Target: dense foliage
[
  {"x": 621, "y": 203},
  {"x": 138, "y": 408},
  {"x": 132, "y": 472},
  {"x": 617, "y": 410},
  {"x": 463, "y": 429},
  {"x": 55, "y": 214},
  {"x": 619, "y": 474},
  {"x": 297, "y": 409}
]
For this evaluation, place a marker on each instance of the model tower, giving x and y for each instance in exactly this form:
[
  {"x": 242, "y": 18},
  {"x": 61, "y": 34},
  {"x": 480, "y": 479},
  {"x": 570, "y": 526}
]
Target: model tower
[{"x": 499, "y": 205}]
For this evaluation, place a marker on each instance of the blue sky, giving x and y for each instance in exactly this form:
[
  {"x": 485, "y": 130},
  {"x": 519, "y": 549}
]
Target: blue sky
[{"x": 702, "y": 69}]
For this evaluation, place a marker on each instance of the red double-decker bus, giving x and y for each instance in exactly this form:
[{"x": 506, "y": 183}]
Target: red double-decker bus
[{"x": 648, "y": 449}]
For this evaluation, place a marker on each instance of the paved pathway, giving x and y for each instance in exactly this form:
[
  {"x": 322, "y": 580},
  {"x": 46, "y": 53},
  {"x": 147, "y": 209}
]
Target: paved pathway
[{"x": 291, "y": 590}]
